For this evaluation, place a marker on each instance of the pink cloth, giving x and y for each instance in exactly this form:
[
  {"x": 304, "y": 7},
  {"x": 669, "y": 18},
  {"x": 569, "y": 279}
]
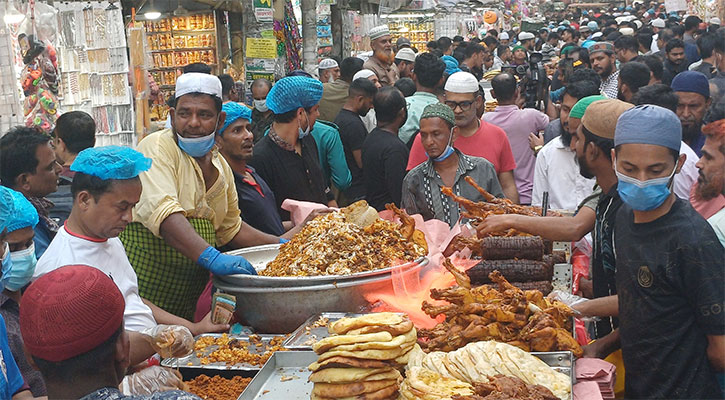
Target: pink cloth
[
  {"x": 518, "y": 124},
  {"x": 596, "y": 377},
  {"x": 299, "y": 210},
  {"x": 706, "y": 208},
  {"x": 587, "y": 391},
  {"x": 489, "y": 142}
]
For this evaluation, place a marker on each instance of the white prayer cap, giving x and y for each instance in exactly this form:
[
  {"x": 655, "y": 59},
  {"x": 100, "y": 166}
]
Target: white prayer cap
[
  {"x": 503, "y": 36},
  {"x": 196, "y": 82},
  {"x": 378, "y": 32},
  {"x": 363, "y": 73},
  {"x": 462, "y": 82},
  {"x": 405, "y": 54},
  {"x": 526, "y": 36},
  {"x": 714, "y": 21},
  {"x": 627, "y": 31},
  {"x": 327, "y": 63},
  {"x": 596, "y": 35},
  {"x": 637, "y": 23},
  {"x": 658, "y": 23}
]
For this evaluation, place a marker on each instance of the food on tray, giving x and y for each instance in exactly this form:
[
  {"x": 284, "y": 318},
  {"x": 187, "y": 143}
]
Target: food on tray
[
  {"x": 507, "y": 387},
  {"x": 363, "y": 365},
  {"x": 513, "y": 270},
  {"x": 422, "y": 383},
  {"x": 232, "y": 351},
  {"x": 506, "y": 314},
  {"x": 349, "y": 241},
  {"x": 217, "y": 387},
  {"x": 477, "y": 361},
  {"x": 502, "y": 248}
]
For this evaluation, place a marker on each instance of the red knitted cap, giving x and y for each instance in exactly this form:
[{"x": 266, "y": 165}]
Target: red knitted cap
[{"x": 69, "y": 311}]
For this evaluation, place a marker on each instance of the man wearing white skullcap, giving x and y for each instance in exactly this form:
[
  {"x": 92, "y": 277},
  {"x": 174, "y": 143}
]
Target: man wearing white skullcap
[
  {"x": 503, "y": 37},
  {"x": 518, "y": 125},
  {"x": 476, "y": 137},
  {"x": 526, "y": 40},
  {"x": 188, "y": 206},
  {"x": 382, "y": 60},
  {"x": 329, "y": 70}
]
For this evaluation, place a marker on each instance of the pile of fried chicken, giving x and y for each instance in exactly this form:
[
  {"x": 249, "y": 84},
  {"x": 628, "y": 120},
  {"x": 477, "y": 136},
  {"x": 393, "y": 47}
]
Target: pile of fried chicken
[
  {"x": 507, "y": 314},
  {"x": 501, "y": 387}
]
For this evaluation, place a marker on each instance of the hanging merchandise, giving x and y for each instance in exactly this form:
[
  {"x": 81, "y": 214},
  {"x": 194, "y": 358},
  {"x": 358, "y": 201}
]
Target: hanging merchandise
[
  {"x": 448, "y": 24},
  {"x": 39, "y": 80},
  {"x": 490, "y": 17},
  {"x": 94, "y": 68},
  {"x": 324, "y": 29},
  {"x": 289, "y": 41}
]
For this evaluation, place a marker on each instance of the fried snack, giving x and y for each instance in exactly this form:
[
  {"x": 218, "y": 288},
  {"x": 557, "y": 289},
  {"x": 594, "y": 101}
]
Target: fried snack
[
  {"x": 398, "y": 342},
  {"x": 395, "y": 329},
  {"x": 373, "y": 354},
  {"x": 342, "y": 375},
  {"x": 349, "y": 362},
  {"x": 337, "y": 390},
  {"x": 340, "y": 340},
  {"x": 233, "y": 351},
  {"x": 343, "y": 325},
  {"x": 476, "y": 361},
  {"x": 508, "y": 387},
  {"x": 217, "y": 387},
  {"x": 505, "y": 313},
  {"x": 332, "y": 245},
  {"x": 421, "y": 383}
]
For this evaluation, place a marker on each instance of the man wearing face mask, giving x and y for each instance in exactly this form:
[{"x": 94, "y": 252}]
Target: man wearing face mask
[
  {"x": 261, "y": 114},
  {"x": 447, "y": 167},
  {"x": 287, "y": 157},
  {"x": 382, "y": 60},
  {"x": 17, "y": 220},
  {"x": 188, "y": 206},
  {"x": 669, "y": 267},
  {"x": 353, "y": 134}
]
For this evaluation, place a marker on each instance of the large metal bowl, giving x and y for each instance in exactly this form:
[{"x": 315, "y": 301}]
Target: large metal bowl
[
  {"x": 283, "y": 309},
  {"x": 260, "y": 256}
]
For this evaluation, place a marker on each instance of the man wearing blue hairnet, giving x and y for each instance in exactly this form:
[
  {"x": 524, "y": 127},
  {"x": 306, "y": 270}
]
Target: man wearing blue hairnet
[
  {"x": 18, "y": 218},
  {"x": 669, "y": 267},
  {"x": 256, "y": 200},
  {"x": 287, "y": 157},
  {"x": 188, "y": 206}
]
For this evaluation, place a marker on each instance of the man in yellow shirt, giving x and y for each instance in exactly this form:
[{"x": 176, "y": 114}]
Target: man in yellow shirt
[{"x": 189, "y": 205}]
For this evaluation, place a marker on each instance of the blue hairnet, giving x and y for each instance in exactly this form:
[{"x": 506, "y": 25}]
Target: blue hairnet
[
  {"x": 111, "y": 162},
  {"x": 294, "y": 92},
  {"x": 451, "y": 64},
  {"x": 649, "y": 124},
  {"x": 235, "y": 111},
  {"x": 16, "y": 212}
]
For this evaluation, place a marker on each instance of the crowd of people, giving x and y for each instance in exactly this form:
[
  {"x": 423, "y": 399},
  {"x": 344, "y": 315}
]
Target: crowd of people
[{"x": 108, "y": 251}]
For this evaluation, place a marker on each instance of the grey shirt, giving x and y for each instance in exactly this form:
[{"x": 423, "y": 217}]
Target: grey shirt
[{"x": 422, "y": 188}]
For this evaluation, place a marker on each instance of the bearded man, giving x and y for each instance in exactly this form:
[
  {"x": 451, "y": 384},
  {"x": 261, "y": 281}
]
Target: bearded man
[{"x": 382, "y": 60}]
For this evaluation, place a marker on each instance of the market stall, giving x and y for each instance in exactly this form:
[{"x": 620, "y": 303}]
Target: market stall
[{"x": 419, "y": 28}]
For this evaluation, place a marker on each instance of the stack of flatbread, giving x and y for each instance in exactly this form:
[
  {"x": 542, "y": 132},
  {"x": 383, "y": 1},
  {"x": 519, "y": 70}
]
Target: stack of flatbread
[
  {"x": 424, "y": 384},
  {"x": 476, "y": 361},
  {"x": 361, "y": 360}
]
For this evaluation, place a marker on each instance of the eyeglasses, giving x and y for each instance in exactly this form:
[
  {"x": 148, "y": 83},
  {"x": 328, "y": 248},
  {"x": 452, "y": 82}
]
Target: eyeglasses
[{"x": 465, "y": 105}]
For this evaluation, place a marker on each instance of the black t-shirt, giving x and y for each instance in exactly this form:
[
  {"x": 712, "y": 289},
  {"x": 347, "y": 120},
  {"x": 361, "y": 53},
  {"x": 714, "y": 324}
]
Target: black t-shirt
[
  {"x": 670, "y": 282},
  {"x": 384, "y": 158},
  {"x": 257, "y": 204},
  {"x": 352, "y": 134},
  {"x": 603, "y": 263},
  {"x": 290, "y": 175}
]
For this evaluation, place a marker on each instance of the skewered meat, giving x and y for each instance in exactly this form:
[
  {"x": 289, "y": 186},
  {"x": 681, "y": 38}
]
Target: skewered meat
[
  {"x": 503, "y": 248},
  {"x": 512, "y": 270}
]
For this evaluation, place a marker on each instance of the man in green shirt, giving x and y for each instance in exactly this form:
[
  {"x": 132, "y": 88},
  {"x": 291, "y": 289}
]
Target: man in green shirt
[{"x": 428, "y": 75}]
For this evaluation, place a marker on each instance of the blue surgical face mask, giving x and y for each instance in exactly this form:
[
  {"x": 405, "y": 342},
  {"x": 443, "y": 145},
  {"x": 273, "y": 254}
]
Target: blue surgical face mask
[
  {"x": 18, "y": 273},
  {"x": 447, "y": 152},
  {"x": 644, "y": 196},
  {"x": 200, "y": 146},
  {"x": 306, "y": 131}
]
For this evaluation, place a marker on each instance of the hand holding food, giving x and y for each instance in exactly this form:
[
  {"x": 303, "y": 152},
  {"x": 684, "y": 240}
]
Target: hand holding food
[
  {"x": 151, "y": 380},
  {"x": 170, "y": 340}
]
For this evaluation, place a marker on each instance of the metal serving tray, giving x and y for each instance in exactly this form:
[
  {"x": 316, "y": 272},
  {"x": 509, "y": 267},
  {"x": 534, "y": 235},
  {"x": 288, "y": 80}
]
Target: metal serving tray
[
  {"x": 260, "y": 256},
  {"x": 305, "y": 336},
  {"x": 284, "y": 376},
  {"x": 560, "y": 361},
  {"x": 192, "y": 363}
]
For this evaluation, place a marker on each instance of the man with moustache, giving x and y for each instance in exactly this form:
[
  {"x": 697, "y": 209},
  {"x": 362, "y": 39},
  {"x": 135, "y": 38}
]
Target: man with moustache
[
  {"x": 675, "y": 61},
  {"x": 711, "y": 182},
  {"x": 603, "y": 61},
  {"x": 693, "y": 91},
  {"x": 382, "y": 60}
]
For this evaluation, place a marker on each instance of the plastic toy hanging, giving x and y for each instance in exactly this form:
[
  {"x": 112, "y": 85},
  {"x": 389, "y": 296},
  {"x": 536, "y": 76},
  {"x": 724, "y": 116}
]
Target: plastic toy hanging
[{"x": 39, "y": 80}]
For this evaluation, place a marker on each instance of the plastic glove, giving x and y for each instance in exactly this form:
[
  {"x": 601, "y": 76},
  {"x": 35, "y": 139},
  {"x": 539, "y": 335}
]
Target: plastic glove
[
  {"x": 224, "y": 264},
  {"x": 170, "y": 341},
  {"x": 283, "y": 240},
  {"x": 151, "y": 380}
]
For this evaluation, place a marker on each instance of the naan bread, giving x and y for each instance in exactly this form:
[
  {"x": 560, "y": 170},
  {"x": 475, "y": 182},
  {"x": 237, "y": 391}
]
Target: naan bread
[
  {"x": 341, "y": 375},
  {"x": 388, "y": 393},
  {"x": 347, "y": 362},
  {"x": 373, "y": 354},
  {"x": 341, "y": 340},
  {"x": 337, "y": 390},
  {"x": 396, "y": 329},
  {"x": 346, "y": 324},
  {"x": 402, "y": 341}
]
